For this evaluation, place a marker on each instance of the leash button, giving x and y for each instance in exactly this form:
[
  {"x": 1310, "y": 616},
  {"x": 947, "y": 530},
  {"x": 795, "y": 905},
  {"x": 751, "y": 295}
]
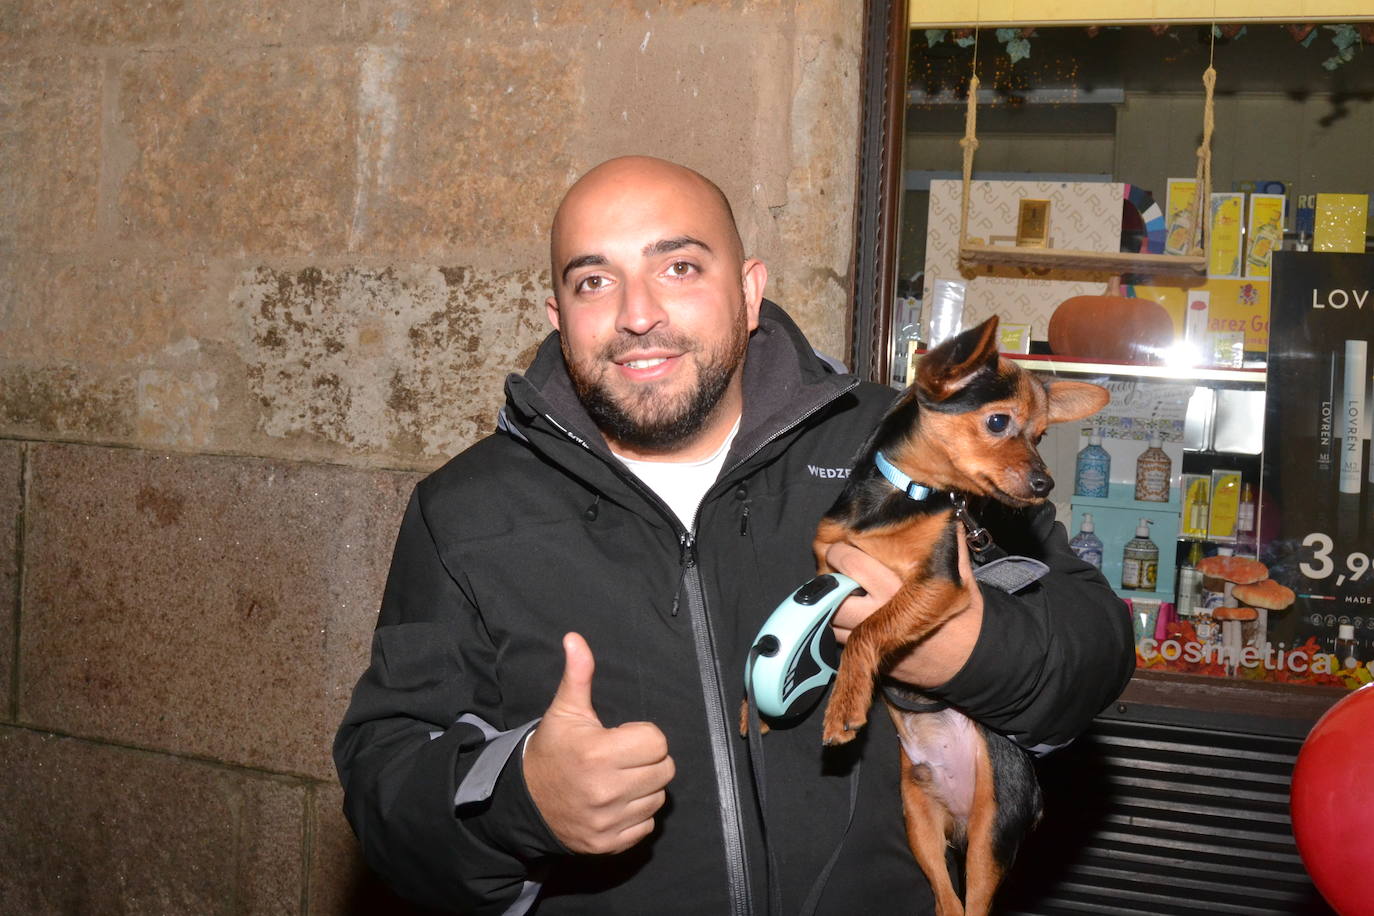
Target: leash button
[{"x": 816, "y": 589}]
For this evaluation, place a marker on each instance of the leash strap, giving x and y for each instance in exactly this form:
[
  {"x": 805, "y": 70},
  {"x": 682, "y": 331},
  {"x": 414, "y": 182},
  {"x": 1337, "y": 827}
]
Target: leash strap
[
  {"x": 813, "y": 899},
  {"x": 755, "y": 738}
]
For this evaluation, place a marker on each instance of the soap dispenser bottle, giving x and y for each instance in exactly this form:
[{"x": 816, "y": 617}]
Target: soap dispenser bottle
[
  {"x": 1153, "y": 472},
  {"x": 1087, "y": 545},
  {"x": 1140, "y": 559},
  {"x": 1092, "y": 470}
]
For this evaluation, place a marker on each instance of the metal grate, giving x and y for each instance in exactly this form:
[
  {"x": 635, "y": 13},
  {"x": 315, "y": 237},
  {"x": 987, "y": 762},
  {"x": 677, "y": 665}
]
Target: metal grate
[{"x": 1159, "y": 820}]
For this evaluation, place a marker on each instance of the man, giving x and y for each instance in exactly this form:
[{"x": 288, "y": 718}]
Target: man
[{"x": 550, "y": 716}]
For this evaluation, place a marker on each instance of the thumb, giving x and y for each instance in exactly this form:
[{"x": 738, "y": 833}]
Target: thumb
[{"x": 574, "y": 694}]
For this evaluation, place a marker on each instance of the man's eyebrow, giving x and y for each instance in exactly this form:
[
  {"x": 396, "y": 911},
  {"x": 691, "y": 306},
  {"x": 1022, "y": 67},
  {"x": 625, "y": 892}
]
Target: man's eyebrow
[
  {"x": 584, "y": 260},
  {"x": 677, "y": 243}
]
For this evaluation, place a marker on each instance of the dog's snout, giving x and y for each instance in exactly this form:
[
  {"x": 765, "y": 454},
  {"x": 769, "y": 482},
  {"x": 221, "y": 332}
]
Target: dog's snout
[{"x": 1041, "y": 483}]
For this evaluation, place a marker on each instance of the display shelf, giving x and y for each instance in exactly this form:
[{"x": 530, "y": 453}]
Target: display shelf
[
  {"x": 1115, "y": 519},
  {"x": 1061, "y": 365}
]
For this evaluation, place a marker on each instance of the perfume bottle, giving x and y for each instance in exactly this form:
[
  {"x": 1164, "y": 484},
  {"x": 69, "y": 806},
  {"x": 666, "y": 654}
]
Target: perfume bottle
[
  {"x": 1093, "y": 468},
  {"x": 1153, "y": 471},
  {"x": 1140, "y": 559},
  {"x": 1086, "y": 545},
  {"x": 1189, "y": 581},
  {"x": 1245, "y": 521},
  {"x": 1347, "y": 650}
]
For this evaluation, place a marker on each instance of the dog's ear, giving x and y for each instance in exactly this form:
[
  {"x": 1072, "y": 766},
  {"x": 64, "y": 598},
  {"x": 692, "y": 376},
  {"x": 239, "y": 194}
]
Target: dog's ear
[
  {"x": 954, "y": 363},
  {"x": 1075, "y": 400}
]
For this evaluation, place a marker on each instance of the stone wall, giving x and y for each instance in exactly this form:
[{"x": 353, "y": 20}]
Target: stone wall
[{"x": 262, "y": 265}]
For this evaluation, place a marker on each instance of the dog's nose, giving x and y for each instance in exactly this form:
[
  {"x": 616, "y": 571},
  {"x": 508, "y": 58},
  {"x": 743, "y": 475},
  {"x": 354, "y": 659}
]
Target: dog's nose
[{"x": 1041, "y": 483}]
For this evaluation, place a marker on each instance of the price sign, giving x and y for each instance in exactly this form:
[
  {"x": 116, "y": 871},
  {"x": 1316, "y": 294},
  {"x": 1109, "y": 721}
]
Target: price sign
[
  {"x": 1321, "y": 564},
  {"x": 1318, "y": 470}
]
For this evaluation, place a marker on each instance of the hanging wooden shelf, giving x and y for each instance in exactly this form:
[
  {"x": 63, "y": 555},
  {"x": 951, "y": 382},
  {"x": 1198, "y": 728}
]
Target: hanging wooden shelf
[
  {"x": 1116, "y": 262},
  {"x": 1193, "y": 263}
]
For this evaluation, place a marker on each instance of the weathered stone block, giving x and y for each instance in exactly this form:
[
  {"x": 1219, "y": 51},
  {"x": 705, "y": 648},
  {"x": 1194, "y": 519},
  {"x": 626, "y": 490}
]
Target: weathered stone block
[
  {"x": 408, "y": 361},
  {"x": 209, "y": 606},
  {"x": 100, "y": 310},
  {"x": 51, "y": 137},
  {"x": 11, "y": 508},
  {"x": 65, "y": 401},
  {"x": 697, "y": 88},
  {"x": 95, "y": 829},
  {"x": 245, "y": 151},
  {"x": 272, "y": 22},
  {"x": 462, "y": 147},
  {"x": 93, "y": 22}
]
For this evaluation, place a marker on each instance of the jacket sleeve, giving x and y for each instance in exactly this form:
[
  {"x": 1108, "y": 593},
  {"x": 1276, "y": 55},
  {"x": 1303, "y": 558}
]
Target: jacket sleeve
[
  {"x": 430, "y": 771},
  {"x": 1051, "y": 656}
]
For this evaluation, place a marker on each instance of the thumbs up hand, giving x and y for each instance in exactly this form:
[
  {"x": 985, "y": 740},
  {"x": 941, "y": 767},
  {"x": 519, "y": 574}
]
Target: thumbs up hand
[{"x": 597, "y": 788}]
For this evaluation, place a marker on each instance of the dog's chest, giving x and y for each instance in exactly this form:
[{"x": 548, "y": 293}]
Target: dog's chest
[{"x": 946, "y": 745}]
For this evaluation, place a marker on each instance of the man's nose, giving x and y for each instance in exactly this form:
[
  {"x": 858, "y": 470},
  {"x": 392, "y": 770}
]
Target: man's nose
[{"x": 640, "y": 308}]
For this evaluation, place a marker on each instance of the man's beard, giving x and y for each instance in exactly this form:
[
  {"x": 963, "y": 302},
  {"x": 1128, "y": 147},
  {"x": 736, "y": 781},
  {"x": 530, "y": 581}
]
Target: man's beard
[{"x": 648, "y": 419}]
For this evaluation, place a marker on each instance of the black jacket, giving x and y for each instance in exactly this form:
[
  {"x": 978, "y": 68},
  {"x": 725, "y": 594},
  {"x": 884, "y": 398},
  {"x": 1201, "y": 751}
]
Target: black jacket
[{"x": 538, "y": 530}]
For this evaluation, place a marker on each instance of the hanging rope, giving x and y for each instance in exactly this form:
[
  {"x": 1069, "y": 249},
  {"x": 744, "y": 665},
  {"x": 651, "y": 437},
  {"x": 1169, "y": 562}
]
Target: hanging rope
[
  {"x": 969, "y": 142},
  {"x": 1203, "y": 181}
]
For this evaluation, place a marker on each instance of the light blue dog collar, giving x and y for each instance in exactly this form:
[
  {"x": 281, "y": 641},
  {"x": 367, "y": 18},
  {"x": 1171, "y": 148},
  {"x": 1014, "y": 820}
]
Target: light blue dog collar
[{"x": 900, "y": 480}]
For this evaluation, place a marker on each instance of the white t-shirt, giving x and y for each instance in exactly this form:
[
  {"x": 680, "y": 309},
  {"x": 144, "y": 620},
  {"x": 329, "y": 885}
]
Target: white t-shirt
[{"x": 682, "y": 484}]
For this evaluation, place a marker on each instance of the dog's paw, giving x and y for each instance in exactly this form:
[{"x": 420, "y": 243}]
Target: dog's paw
[{"x": 838, "y": 730}]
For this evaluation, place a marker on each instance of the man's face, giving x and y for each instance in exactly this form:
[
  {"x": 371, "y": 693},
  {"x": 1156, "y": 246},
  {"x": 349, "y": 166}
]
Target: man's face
[{"x": 654, "y": 308}]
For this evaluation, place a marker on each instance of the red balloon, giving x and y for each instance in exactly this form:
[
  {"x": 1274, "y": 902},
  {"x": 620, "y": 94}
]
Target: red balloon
[{"x": 1332, "y": 804}]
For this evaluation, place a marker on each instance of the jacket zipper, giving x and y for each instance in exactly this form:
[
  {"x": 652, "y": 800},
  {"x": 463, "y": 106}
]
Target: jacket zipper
[{"x": 722, "y": 749}]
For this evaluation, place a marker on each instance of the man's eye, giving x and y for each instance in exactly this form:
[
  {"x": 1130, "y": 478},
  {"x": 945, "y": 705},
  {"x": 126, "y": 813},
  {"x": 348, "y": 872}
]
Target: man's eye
[
  {"x": 592, "y": 283},
  {"x": 998, "y": 423},
  {"x": 681, "y": 268}
]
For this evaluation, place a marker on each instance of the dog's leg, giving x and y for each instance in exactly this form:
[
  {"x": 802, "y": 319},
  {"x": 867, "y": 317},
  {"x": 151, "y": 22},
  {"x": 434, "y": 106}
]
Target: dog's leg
[
  {"x": 926, "y": 829},
  {"x": 913, "y": 613},
  {"x": 982, "y": 870}
]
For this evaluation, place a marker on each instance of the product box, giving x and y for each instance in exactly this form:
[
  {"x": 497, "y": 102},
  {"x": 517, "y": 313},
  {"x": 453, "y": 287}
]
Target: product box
[
  {"x": 1341, "y": 222},
  {"x": 1231, "y": 305},
  {"x": 1178, "y": 216},
  {"x": 1264, "y": 232},
  {"x": 1015, "y": 338},
  {"x": 1225, "y": 505},
  {"x": 1196, "y": 490},
  {"x": 1224, "y": 220}
]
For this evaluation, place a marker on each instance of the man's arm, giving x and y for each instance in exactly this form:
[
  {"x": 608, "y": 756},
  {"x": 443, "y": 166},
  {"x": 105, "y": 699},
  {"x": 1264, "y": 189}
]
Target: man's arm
[
  {"x": 1036, "y": 665},
  {"x": 430, "y": 769}
]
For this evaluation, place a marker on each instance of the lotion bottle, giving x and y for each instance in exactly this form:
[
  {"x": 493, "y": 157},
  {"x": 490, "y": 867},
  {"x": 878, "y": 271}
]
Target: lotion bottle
[
  {"x": 1153, "y": 472},
  {"x": 1087, "y": 545},
  {"x": 1093, "y": 468},
  {"x": 1140, "y": 559}
]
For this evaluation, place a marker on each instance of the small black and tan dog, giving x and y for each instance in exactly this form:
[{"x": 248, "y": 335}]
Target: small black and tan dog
[{"x": 968, "y": 427}]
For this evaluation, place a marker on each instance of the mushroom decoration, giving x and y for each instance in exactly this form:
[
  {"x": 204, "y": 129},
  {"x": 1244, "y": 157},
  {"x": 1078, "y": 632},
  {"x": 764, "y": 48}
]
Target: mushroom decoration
[
  {"x": 1237, "y": 570},
  {"x": 1266, "y": 593},
  {"x": 1240, "y": 572}
]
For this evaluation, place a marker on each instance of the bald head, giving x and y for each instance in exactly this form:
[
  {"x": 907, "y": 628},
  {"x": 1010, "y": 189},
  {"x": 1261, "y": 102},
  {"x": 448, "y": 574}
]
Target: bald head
[
  {"x": 654, "y": 303},
  {"x": 642, "y": 180}
]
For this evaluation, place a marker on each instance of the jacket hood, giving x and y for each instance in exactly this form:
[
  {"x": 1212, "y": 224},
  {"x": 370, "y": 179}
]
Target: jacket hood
[{"x": 784, "y": 382}]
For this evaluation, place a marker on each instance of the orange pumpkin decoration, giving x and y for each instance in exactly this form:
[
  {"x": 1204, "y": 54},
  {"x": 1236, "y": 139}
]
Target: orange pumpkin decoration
[{"x": 1115, "y": 328}]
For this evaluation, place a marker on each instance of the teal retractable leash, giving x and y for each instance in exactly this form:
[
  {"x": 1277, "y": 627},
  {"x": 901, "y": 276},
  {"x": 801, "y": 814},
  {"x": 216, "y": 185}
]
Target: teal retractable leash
[{"x": 791, "y": 663}]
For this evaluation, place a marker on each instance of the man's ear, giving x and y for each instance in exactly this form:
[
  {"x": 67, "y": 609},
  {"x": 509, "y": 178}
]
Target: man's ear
[
  {"x": 551, "y": 306},
  {"x": 753, "y": 278}
]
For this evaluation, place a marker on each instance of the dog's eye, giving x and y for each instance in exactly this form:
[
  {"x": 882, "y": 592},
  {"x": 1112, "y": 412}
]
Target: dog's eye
[{"x": 998, "y": 423}]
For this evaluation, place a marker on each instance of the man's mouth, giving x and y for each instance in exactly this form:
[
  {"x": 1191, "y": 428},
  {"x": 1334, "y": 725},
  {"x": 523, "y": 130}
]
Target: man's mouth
[{"x": 645, "y": 363}]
